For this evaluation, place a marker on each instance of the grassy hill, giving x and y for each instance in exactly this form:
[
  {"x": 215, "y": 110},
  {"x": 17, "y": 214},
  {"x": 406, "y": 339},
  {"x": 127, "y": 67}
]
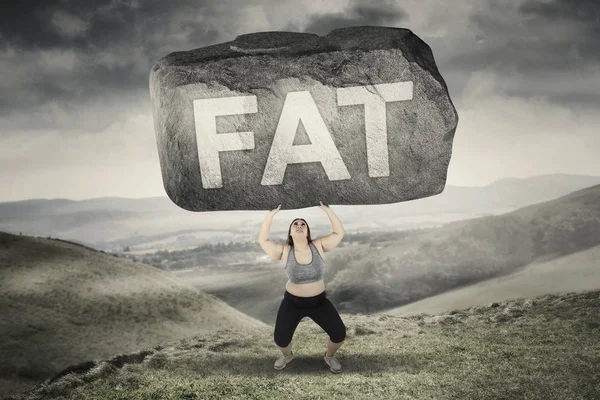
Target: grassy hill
[
  {"x": 564, "y": 225},
  {"x": 543, "y": 348},
  {"x": 572, "y": 273},
  {"x": 462, "y": 253},
  {"x": 62, "y": 303}
]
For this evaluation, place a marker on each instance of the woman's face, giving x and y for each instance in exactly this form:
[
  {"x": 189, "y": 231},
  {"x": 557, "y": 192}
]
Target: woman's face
[{"x": 299, "y": 229}]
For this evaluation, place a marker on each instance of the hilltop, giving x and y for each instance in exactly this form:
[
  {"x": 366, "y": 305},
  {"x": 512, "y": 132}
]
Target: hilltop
[{"x": 542, "y": 348}]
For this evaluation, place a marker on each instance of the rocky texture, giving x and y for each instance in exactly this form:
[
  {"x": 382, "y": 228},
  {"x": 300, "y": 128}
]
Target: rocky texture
[{"x": 299, "y": 131}]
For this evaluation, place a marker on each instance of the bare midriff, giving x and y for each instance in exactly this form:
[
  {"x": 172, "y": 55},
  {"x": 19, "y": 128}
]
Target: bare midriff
[{"x": 303, "y": 257}]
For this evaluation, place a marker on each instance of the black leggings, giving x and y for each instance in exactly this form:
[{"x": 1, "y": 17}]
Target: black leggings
[{"x": 318, "y": 308}]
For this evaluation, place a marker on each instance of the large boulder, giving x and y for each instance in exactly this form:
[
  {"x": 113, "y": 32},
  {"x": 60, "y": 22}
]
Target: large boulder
[{"x": 358, "y": 116}]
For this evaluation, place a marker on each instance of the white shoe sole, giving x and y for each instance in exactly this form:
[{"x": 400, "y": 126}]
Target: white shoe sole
[{"x": 335, "y": 372}]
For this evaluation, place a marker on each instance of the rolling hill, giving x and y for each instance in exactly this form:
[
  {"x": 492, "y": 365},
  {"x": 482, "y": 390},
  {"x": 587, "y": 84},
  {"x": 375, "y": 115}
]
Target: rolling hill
[
  {"x": 462, "y": 253},
  {"x": 62, "y": 303},
  {"x": 575, "y": 272}
]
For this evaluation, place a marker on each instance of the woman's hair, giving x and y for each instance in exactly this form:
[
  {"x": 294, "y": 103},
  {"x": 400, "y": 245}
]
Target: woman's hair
[{"x": 290, "y": 241}]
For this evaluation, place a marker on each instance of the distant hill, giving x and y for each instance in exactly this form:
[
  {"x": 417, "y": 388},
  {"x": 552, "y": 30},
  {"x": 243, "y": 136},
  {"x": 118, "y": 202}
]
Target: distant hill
[
  {"x": 576, "y": 272},
  {"x": 546, "y": 347},
  {"x": 62, "y": 303},
  {"x": 157, "y": 223},
  {"x": 500, "y": 196}
]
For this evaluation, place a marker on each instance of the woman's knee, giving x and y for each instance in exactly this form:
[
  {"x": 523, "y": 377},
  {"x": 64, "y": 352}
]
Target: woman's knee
[
  {"x": 281, "y": 339},
  {"x": 339, "y": 335},
  {"x": 283, "y": 335}
]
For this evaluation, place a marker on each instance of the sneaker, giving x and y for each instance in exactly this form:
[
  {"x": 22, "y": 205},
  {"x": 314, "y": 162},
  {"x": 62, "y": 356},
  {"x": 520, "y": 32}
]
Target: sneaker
[
  {"x": 333, "y": 363},
  {"x": 283, "y": 360}
]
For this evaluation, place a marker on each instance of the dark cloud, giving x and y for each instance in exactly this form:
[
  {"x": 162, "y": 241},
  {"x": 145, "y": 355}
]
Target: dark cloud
[
  {"x": 537, "y": 45},
  {"x": 584, "y": 14},
  {"x": 376, "y": 13},
  {"x": 583, "y": 11},
  {"x": 539, "y": 35},
  {"x": 114, "y": 44},
  {"x": 26, "y": 24},
  {"x": 32, "y": 24}
]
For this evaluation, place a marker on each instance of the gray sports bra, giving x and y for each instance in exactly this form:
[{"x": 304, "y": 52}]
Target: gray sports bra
[{"x": 305, "y": 273}]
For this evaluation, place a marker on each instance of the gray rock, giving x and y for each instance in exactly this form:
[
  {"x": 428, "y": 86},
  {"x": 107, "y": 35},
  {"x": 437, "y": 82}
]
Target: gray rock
[
  {"x": 529, "y": 303},
  {"x": 514, "y": 311},
  {"x": 282, "y": 118},
  {"x": 443, "y": 319},
  {"x": 363, "y": 330},
  {"x": 500, "y": 318}
]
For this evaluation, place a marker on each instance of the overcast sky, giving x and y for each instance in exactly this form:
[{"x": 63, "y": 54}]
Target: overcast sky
[{"x": 76, "y": 118}]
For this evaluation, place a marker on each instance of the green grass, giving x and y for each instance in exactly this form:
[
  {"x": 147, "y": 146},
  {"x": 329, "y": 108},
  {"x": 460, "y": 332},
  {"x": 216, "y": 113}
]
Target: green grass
[{"x": 546, "y": 348}]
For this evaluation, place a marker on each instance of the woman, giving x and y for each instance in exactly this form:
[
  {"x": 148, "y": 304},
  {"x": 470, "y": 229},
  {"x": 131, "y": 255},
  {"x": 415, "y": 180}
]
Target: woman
[{"x": 304, "y": 263}]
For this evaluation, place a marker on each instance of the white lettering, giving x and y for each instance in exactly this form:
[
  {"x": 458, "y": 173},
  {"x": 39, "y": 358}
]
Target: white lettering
[
  {"x": 300, "y": 106},
  {"x": 374, "y": 98},
  {"x": 210, "y": 143}
]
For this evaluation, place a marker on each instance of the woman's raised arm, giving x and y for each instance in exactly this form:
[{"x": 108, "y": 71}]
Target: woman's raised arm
[
  {"x": 273, "y": 249},
  {"x": 330, "y": 242}
]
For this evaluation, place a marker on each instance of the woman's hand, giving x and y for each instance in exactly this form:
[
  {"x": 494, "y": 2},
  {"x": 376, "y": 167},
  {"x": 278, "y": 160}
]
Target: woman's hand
[
  {"x": 323, "y": 206},
  {"x": 275, "y": 211}
]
